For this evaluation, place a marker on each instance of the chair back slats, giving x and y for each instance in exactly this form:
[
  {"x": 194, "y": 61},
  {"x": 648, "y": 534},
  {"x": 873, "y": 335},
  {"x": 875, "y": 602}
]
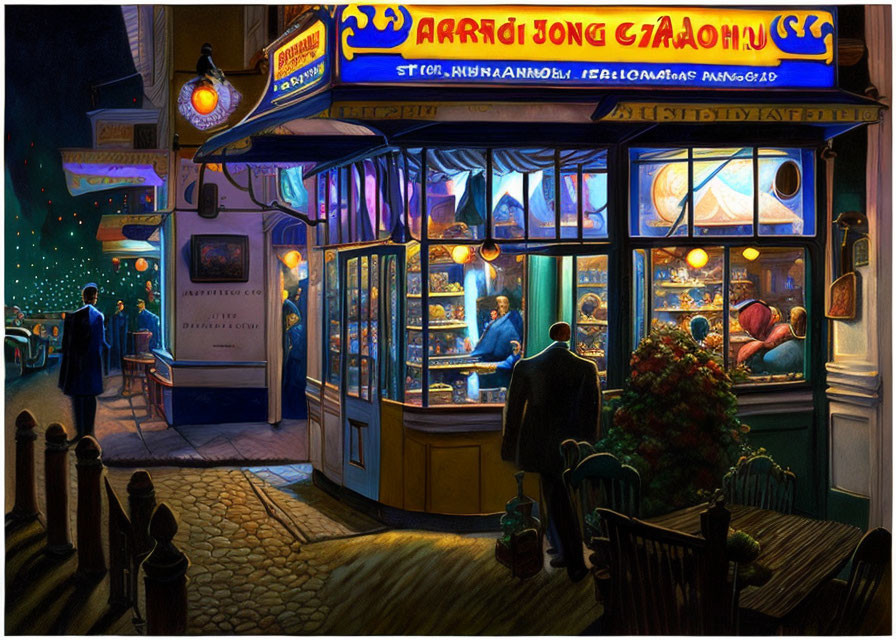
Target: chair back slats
[
  {"x": 600, "y": 480},
  {"x": 661, "y": 583},
  {"x": 870, "y": 563},
  {"x": 760, "y": 482},
  {"x": 569, "y": 449}
]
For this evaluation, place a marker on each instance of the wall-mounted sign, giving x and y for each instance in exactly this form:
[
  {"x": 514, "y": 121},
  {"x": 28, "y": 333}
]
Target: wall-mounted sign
[
  {"x": 114, "y": 134},
  {"x": 96, "y": 170},
  {"x": 299, "y": 64},
  {"x": 587, "y": 46}
]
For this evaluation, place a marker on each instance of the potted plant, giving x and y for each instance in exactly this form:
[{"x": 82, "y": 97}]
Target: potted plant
[{"x": 676, "y": 421}]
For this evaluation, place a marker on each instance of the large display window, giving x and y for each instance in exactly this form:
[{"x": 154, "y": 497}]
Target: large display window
[
  {"x": 731, "y": 192},
  {"x": 746, "y": 304},
  {"x": 464, "y": 324}
]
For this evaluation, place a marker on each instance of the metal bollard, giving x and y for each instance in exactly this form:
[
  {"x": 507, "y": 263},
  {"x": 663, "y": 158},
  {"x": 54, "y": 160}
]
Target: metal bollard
[
  {"x": 25, "y": 508},
  {"x": 59, "y": 539},
  {"x": 91, "y": 561},
  {"x": 165, "y": 578},
  {"x": 141, "y": 503}
]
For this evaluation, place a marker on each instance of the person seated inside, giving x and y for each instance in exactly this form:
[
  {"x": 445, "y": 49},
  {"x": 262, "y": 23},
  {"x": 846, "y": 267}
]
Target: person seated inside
[
  {"x": 776, "y": 347},
  {"x": 496, "y": 344}
]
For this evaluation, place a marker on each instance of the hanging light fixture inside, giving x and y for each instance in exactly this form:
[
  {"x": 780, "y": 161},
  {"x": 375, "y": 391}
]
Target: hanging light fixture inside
[
  {"x": 489, "y": 250},
  {"x": 750, "y": 253},
  {"x": 697, "y": 258}
]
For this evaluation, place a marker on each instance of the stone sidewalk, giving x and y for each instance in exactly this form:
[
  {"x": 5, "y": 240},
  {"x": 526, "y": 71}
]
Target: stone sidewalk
[{"x": 130, "y": 436}]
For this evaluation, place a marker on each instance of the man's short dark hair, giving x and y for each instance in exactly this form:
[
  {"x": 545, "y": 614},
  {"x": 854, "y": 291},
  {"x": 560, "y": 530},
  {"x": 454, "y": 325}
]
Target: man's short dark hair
[
  {"x": 89, "y": 293},
  {"x": 560, "y": 331}
]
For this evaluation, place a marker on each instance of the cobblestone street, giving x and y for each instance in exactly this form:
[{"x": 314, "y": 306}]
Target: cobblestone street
[{"x": 271, "y": 554}]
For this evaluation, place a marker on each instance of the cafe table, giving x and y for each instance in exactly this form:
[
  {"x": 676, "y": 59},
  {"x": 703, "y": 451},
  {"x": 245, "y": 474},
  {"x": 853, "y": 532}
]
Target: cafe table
[{"x": 802, "y": 554}]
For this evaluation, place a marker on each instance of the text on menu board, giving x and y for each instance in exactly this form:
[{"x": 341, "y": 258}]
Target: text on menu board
[{"x": 635, "y": 46}]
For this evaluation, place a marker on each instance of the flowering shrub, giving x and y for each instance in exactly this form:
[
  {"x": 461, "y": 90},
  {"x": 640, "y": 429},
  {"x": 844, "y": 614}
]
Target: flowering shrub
[{"x": 676, "y": 421}]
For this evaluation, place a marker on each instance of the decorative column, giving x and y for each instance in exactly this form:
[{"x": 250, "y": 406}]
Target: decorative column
[
  {"x": 91, "y": 561},
  {"x": 165, "y": 577},
  {"x": 25, "y": 508},
  {"x": 59, "y": 541}
]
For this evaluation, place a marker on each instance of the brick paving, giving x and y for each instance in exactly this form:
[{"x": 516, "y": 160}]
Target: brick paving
[{"x": 271, "y": 553}]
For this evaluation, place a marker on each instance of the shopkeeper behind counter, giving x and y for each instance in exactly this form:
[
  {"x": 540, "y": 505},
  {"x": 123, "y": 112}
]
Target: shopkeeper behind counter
[{"x": 499, "y": 347}]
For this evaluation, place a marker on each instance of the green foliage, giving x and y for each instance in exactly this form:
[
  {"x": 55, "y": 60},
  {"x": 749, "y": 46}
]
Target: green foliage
[{"x": 676, "y": 421}]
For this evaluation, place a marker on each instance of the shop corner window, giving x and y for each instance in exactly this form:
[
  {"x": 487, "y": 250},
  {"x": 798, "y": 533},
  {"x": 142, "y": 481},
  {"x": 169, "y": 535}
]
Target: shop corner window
[
  {"x": 520, "y": 186},
  {"x": 723, "y": 192},
  {"x": 464, "y": 324},
  {"x": 745, "y": 304}
]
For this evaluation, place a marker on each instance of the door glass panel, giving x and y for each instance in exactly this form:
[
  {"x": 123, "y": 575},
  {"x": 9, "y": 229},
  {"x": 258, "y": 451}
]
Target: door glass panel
[
  {"x": 391, "y": 332},
  {"x": 591, "y": 319},
  {"x": 334, "y": 318},
  {"x": 364, "y": 323},
  {"x": 353, "y": 329},
  {"x": 373, "y": 326}
]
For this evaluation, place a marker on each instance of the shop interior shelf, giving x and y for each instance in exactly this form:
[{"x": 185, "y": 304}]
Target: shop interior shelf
[
  {"x": 439, "y": 327},
  {"x": 595, "y": 285},
  {"x": 439, "y": 294},
  {"x": 437, "y": 367},
  {"x": 591, "y": 323},
  {"x": 671, "y": 310}
]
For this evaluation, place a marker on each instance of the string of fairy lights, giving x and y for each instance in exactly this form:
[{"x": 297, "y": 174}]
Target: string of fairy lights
[{"x": 53, "y": 252}]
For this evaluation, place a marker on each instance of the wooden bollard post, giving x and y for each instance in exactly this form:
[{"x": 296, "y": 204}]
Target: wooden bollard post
[
  {"x": 165, "y": 577},
  {"x": 141, "y": 503},
  {"x": 91, "y": 561},
  {"x": 25, "y": 508},
  {"x": 59, "y": 539}
]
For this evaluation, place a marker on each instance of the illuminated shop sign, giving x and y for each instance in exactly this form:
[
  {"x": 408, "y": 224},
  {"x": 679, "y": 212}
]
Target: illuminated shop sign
[
  {"x": 97, "y": 170},
  {"x": 298, "y": 66},
  {"x": 587, "y": 46}
]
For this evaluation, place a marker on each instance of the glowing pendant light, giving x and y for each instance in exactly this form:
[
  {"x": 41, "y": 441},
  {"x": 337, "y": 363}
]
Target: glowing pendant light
[{"x": 697, "y": 258}]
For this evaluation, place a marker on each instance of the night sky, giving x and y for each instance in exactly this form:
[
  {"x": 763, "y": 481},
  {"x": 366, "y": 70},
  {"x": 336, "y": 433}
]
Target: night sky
[{"x": 54, "y": 56}]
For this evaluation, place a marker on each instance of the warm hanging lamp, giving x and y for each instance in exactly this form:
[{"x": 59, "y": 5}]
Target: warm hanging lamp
[{"x": 489, "y": 249}]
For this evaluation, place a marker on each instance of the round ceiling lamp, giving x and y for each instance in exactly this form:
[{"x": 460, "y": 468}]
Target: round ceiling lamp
[
  {"x": 750, "y": 253},
  {"x": 489, "y": 250},
  {"x": 697, "y": 258}
]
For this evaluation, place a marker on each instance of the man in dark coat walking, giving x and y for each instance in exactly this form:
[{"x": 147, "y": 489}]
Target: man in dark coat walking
[
  {"x": 81, "y": 371},
  {"x": 553, "y": 395}
]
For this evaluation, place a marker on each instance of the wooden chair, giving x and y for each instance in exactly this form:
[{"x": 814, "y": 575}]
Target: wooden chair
[
  {"x": 760, "y": 482},
  {"x": 665, "y": 582},
  {"x": 870, "y": 563},
  {"x": 600, "y": 480}
]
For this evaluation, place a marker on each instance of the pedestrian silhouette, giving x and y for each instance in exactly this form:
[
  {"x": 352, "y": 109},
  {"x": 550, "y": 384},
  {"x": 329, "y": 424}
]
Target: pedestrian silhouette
[
  {"x": 81, "y": 371},
  {"x": 553, "y": 395}
]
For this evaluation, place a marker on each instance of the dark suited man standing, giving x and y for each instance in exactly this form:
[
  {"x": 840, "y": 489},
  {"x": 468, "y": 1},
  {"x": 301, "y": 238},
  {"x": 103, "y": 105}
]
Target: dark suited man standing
[
  {"x": 81, "y": 372},
  {"x": 119, "y": 329},
  {"x": 553, "y": 395}
]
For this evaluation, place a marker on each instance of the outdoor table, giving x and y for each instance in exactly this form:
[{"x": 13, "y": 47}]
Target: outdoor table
[
  {"x": 136, "y": 369},
  {"x": 802, "y": 553}
]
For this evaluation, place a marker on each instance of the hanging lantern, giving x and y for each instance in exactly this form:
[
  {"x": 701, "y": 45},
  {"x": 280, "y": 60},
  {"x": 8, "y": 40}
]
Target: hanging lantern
[
  {"x": 149, "y": 285},
  {"x": 489, "y": 250},
  {"x": 204, "y": 98},
  {"x": 750, "y": 253},
  {"x": 462, "y": 254},
  {"x": 116, "y": 264},
  {"x": 697, "y": 258},
  {"x": 141, "y": 264},
  {"x": 291, "y": 259}
]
